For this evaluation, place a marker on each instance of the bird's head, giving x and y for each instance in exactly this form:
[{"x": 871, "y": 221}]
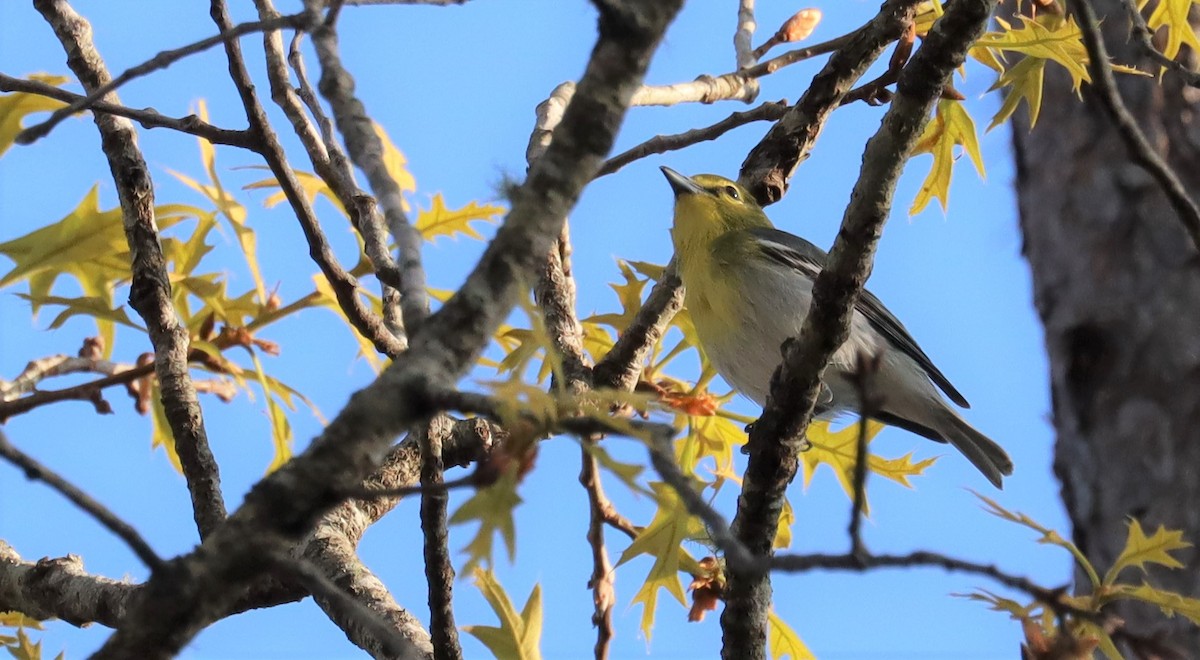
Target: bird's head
[{"x": 707, "y": 206}]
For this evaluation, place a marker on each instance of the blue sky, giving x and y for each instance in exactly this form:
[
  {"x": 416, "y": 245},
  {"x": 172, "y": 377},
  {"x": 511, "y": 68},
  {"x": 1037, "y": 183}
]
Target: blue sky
[{"x": 456, "y": 88}]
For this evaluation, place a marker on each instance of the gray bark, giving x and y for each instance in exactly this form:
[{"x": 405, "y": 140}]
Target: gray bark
[{"x": 1117, "y": 284}]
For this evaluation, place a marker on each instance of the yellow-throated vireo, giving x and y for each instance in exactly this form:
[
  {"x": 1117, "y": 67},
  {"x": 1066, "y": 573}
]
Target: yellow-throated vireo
[{"x": 748, "y": 287}]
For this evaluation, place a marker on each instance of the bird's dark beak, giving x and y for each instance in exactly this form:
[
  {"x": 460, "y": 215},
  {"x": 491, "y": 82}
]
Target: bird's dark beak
[{"x": 681, "y": 184}]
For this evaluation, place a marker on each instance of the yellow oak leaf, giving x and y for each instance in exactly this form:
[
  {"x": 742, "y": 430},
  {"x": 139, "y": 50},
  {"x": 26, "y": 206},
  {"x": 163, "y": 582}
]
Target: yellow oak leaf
[
  {"x": 1140, "y": 549},
  {"x": 663, "y": 539},
  {"x": 951, "y": 126},
  {"x": 518, "y": 637}
]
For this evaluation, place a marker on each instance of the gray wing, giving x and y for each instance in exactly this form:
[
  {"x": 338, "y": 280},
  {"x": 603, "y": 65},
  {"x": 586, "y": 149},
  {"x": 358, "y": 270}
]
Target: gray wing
[{"x": 801, "y": 255}]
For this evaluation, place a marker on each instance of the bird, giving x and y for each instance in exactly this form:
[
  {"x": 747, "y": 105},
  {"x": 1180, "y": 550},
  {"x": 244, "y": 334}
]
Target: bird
[{"x": 748, "y": 287}]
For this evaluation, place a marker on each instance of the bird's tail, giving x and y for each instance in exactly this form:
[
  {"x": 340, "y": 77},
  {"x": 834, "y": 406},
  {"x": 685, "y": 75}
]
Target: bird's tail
[{"x": 983, "y": 452}]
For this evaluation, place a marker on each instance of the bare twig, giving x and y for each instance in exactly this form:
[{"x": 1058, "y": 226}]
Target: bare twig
[
  {"x": 769, "y": 111},
  {"x": 366, "y": 151},
  {"x": 601, "y": 581},
  {"x": 1140, "y": 149},
  {"x": 328, "y": 159},
  {"x": 777, "y": 435},
  {"x": 37, "y": 472},
  {"x": 439, "y": 570},
  {"x": 1142, "y": 34},
  {"x": 150, "y": 292},
  {"x": 56, "y": 365},
  {"x": 160, "y": 61},
  {"x": 344, "y": 285},
  {"x": 868, "y": 400},
  {"x": 770, "y": 164},
  {"x": 737, "y": 85},
  {"x": 83, "y": 392},
  {"x": 191, "y": 124}
]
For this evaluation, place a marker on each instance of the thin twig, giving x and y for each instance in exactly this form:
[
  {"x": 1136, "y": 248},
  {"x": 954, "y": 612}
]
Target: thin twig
[
  {"x": 1140, "y": 149},
  {"x": 737, "y": 85},
  {"x": 769, "y": 111},
  {"x": 365, "y": 149},
  {"x": 769, "y": 166},
  {"x": 1144, "y": 36},
  {"x": 83, "y": 392},
  {"x": 38, "y": 472},
  {"x": 191, "y": 124},
  {"x": 344, "y": 285},
  {"x": 439, "y": 570},
  {"x": 868, "y": 403},
  {"x": 160, "y": 61}
]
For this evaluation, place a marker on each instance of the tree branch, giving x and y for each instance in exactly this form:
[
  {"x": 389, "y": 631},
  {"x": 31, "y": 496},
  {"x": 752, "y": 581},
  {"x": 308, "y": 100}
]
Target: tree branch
[
  {"x": 1140, "y": 149},
  {"x": 770, "y": 111},
  {"x": 393, "y": 643},
  {"x": 770, "y": 164},
  {"x": 150, "y": 291},
  {"x": 328, "y": 159},
  {"x": 622, "y": 366},
  {"x": 794, "y": 388},
  {"x": 84, "y": 392},
  {"x": 366, "y": 151},
  {"x": 191, "y": 124},
  {"x": 60, "y": 589},
  {"x": 344, "y": 285},
  {"x": 37, "y": 472},
  {"x": 160, "y": 61},
  {"x": 203, "y": 583},
  {"x": 1142, "y": 34},
  {"x": 439, "y": 570}
]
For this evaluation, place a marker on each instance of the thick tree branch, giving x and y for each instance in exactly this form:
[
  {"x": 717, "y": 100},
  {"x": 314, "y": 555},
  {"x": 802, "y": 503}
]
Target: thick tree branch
[
  {"x": 393, "y": 642},
  {"x": 1140, "y": 149},
  {"x": 150, "y": 291},
  {"x": 774, "y": 442},
  {"x": 37, "y": 472},
  {"x": 202, "y": 584},
  {"x": 60, "y": 589},
  {"x": 191, "y": 124},
  {"x": 770, "y": 164}
]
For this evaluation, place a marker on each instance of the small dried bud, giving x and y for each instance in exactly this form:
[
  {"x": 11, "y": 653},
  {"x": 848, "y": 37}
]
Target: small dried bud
[{"x": 93, "y": 348}]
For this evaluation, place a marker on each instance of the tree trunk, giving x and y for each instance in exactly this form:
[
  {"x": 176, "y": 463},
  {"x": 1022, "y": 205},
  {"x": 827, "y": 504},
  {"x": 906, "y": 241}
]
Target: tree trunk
[{"x": 1117, "y": 284}]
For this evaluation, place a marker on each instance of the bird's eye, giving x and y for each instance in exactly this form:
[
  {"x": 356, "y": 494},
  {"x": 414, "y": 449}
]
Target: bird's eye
[{"x": 732, "y": 192}]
